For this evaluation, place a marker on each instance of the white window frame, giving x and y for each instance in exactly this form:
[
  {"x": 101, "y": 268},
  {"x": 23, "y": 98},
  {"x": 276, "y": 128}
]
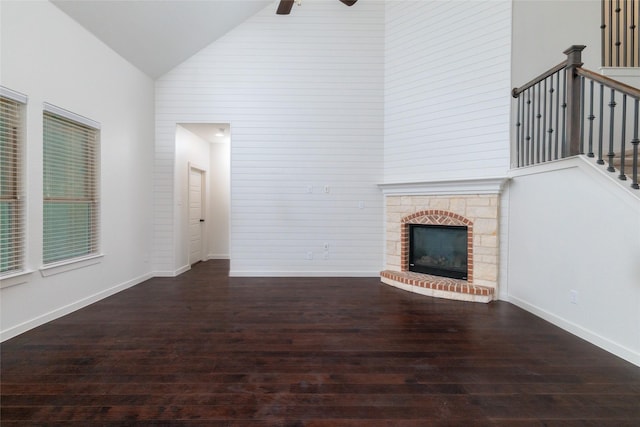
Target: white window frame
[
  {"x": 16, "y": 272},
  {"x": 60, "y": 262}
]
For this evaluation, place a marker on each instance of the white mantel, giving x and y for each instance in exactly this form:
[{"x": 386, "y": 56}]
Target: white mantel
[{"x": 491, "y": 185}]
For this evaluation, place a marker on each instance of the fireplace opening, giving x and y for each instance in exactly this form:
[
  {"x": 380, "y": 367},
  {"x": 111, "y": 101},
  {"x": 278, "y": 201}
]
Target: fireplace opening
[{"x": 440, "y": 250}]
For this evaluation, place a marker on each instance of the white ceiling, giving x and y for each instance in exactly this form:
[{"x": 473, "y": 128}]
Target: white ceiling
[
  {"x": 209, "y": 131},
  {"x": 157, "y": 35}
]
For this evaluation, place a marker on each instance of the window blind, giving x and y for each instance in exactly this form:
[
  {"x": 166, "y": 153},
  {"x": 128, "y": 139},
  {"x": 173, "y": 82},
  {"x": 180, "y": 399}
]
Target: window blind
[
  {"x": 70, "y": 189},
  {"x": 11, "y": 187}
]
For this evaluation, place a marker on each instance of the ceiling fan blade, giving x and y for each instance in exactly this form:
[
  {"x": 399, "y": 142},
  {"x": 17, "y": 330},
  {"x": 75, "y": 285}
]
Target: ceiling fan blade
[
  {"x": 349, "y": 2},
  {"x": 284, "y": 8}
]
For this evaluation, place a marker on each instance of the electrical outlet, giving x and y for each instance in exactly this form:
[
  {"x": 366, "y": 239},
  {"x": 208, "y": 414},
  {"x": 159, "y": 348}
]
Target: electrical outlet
[
  {"x": 309, "y": 255},
  {"x": 573, "y": 296},
  {"x": 360, "y": 204},
  {"x": 326, "y": 246},
  {"x": 326, "y": 255},
  {"x": 327, "y": 189}
]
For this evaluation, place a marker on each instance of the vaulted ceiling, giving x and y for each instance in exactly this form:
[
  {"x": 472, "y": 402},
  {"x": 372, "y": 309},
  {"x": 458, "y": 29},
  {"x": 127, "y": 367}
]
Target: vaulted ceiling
[{"x": 157, "y": 35}]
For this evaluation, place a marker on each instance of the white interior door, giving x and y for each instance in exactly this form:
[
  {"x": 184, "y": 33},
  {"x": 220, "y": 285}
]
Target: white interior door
[{"x": 196, "y": 214}]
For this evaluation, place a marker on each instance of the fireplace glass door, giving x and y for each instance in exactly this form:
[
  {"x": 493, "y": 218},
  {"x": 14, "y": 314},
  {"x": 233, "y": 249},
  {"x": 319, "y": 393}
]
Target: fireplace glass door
[{"x": 438, "y": 250}]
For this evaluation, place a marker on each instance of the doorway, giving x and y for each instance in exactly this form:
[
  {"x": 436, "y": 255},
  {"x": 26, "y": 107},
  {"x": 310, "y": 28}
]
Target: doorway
[{"x": 203, "y": 197}]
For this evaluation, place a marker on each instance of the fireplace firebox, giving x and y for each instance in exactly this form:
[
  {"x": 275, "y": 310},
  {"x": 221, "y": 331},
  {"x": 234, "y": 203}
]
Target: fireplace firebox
[{"x": 439, "y": 250}]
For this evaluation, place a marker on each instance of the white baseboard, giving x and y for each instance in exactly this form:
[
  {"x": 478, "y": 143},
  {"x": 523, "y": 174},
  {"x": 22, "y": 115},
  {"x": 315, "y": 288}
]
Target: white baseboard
[
  {"x": 218, "y": 256},
  {"x": 173, "y": 273},
  {"x": 590, "y": 336},
  {"x": 240, "y": 273},
  {"x": 161, "y": 273},
  {"x": 69, "y": 308},
  {"x": 182, "y": 269}
]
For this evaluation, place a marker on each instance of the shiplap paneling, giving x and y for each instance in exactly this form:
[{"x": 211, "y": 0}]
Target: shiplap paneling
[
  {"x": 447, "y": 66},
  {"x": 304, "y": 96}
]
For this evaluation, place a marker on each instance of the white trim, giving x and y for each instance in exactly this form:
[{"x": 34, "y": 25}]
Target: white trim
[
  {"x": 196, "y": 167},
  {"x": 611, "y": 176},
  {"x": 182, "y": 269},
  {"x": 504, "y": 215},
  {"x": 174, "y": 273},
  {"x": 13, "y": 95},
  {"x": 70, "y": 115},
  {"x": 240, "y": 273},
  {"x": 16, "y": 278},
  {"x": 553, "y": 165},
  {"x": 454, "y": 186},
  {"x": 13, "y": 278},
  {"x": 71, "y": 264},
  {"x": 162, "y": 273},
  {"x": 218, "y": 256},
  {"x": 585, "y": 163},
  {"x": 69, "y": 308},
  {"x": 590, "y": 336}
]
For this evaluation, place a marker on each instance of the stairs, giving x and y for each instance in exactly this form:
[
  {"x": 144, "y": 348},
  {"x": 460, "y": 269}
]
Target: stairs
[
  {"x": 617, "y": 165},
  {"x": 628, "y": 160}
]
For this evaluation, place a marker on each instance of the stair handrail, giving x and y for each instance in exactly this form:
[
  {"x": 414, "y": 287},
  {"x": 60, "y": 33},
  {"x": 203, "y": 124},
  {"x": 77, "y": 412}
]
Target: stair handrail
[
  {"x": 610, "y": 83},
  {"x": 551, "y": 126},
  {"x": 518, "y": 90}
]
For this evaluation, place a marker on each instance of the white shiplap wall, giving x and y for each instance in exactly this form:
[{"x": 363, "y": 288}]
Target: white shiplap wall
[
  {"x": 304, "y": 96},
  {"x": 447, "y": 83}
]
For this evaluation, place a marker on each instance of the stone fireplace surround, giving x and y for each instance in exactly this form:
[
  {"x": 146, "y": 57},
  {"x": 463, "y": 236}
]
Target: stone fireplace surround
[{"x": 472, "y": 203}]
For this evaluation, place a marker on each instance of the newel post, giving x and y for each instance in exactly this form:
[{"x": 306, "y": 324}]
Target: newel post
[{"x": 574, "y": 61}]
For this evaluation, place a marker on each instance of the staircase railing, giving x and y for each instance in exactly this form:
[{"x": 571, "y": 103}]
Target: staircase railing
[
  {"x": 620, "y": 33},
  {"x": 562, "y": 113}
]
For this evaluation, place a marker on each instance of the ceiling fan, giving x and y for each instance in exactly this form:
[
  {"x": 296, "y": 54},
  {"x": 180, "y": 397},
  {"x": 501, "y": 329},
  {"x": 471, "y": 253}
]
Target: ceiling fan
[{"x": 284, "y": 8}]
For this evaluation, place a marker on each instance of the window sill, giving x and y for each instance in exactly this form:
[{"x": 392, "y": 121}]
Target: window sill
[
  {"x": 68, "y": 265},
  {"x": 14, "y": 279}
]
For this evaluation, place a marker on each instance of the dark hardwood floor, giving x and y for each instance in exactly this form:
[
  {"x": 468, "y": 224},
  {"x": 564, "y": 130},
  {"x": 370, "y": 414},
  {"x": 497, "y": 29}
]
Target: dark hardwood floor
[{"x": 202, "y": 349}]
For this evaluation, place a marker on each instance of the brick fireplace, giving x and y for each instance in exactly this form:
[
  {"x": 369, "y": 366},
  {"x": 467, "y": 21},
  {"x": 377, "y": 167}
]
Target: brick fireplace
[{"x": 474, "y": 204}]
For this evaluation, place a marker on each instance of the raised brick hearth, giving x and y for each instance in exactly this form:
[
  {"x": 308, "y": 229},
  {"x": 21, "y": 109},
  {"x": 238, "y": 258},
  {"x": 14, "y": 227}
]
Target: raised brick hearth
[
  {"x": 478, "y": 212},
  {"x": 435, "y": 286}
]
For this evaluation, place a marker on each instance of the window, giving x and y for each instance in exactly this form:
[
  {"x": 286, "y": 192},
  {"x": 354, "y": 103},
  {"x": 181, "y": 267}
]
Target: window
[
  {"x": 11, "y": 188},
  {"x": 70, "y": 186}
]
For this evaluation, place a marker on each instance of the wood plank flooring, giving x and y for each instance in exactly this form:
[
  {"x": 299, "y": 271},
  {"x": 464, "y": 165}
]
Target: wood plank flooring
[{"x": 206, "y": 350}]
